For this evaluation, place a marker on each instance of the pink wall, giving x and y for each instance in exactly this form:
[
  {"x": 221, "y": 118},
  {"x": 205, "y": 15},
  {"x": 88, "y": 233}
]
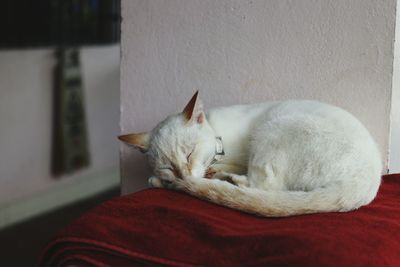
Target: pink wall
[{"x": 340, "y": 52}]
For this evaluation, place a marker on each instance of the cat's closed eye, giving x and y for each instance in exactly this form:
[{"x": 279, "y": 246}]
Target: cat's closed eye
[{"x": 189, "y": 155}]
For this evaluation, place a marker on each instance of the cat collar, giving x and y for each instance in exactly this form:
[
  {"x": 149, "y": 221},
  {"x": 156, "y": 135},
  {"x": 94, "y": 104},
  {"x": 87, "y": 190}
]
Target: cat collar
[{"x": 219, "y": 149}]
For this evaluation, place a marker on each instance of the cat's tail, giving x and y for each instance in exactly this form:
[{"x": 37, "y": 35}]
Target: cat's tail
[{"x": 274, "y": 203}]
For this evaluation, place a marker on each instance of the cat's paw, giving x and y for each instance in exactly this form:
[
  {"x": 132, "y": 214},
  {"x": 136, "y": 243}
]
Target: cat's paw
[
  {"x": 213, "y": 173},
  {"x": 239, "y": 180},
  {"x": 210, "y": 172},
  {"x": 155, "y": 182}
]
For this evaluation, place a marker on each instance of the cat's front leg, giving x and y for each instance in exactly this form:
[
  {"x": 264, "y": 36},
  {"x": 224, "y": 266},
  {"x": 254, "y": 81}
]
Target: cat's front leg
[
  {"x": 236, "y": 179},
  {"x": 227, "y": 168}
]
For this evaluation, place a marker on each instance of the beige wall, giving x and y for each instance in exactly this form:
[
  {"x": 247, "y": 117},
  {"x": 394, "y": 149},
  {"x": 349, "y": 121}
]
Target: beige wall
[
  {"x": 340, "y": 52},
  {"x": 26, "y": 116}
]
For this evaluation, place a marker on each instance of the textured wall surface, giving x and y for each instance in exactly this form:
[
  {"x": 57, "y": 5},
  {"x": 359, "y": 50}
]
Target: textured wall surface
[
  {"x": 26, "y": 117},
  {"x": 340, "y": 52}
]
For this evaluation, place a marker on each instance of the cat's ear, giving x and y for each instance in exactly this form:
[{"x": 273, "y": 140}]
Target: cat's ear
[
  {"x": 194, "y": 109},
  {"x": 138, "y": 140}
]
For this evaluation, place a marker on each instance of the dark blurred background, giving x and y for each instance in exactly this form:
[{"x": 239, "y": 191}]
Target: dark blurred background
[
  {"x": 27, "y": 23},
  {"x": 59, "y": 115}
]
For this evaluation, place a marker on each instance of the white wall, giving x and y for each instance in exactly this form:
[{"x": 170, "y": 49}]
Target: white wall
[
  {"x": 394, "y": 155},
  {"x": 340, "y": 52},
  {"x": 26, "y": 116}
]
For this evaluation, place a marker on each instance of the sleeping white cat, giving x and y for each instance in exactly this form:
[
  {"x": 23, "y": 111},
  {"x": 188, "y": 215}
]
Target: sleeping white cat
[{"x": 271, "y": 159}]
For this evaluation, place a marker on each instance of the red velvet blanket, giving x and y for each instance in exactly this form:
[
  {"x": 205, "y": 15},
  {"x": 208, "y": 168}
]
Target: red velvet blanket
[{"x": 162, "y": 227}]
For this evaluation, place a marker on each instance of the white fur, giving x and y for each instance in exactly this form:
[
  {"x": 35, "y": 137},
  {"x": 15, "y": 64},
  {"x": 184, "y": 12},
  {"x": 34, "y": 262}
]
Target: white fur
[{"x": 281, "y": 158}]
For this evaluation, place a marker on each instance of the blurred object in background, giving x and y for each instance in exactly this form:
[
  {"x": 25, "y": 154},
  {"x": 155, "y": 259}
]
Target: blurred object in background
[
  {"x": 70, "y": 144},
  {"x": 59, "y": 110},
  {"x": 28, "y": 23}
]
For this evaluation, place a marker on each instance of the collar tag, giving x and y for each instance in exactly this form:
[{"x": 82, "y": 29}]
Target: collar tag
[
  {"x": 219, "y": 147},
  {"x": 219, "y": 150}
]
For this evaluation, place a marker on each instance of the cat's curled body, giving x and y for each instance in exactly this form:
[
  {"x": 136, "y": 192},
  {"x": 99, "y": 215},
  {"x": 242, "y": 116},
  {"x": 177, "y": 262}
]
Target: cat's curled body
[{"x": 281, "y": 158}]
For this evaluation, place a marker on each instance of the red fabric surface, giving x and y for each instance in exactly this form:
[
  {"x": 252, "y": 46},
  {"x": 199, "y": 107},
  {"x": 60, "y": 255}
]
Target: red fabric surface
[{"x": 162, "y": 227}]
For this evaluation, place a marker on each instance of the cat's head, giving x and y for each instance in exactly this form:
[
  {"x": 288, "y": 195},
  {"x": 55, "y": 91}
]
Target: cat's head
[{"x": 182, "y": 145}]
